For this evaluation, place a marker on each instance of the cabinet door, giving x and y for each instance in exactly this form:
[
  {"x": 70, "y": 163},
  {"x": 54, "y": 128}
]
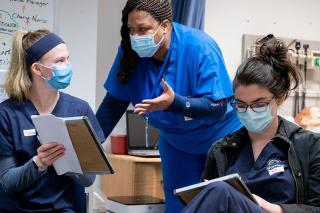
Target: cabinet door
[
  {"x": 148, "y": 179},
  {"x": 133, "y": 178}
]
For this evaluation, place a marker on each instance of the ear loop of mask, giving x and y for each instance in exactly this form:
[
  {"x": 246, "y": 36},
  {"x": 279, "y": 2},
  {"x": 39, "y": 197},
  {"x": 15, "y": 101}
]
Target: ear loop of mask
[
  {"x": 44, "y": 78},
  {"x": 157, "y": 32},
  {"x": 161, "y": 38}
]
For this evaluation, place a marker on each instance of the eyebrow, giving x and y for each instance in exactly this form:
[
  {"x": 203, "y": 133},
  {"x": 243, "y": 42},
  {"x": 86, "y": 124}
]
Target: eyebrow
[
  {"x": 61, "y": 57},
  {"x": 256, "y": 100},
  {"x": 140, "y": 25}
]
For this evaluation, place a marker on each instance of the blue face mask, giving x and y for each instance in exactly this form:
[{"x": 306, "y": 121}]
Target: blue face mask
[
  {"x": 144, "y": 45},
  {"x": 256, "y": 122},
  {"x": 61, "y": 76}
]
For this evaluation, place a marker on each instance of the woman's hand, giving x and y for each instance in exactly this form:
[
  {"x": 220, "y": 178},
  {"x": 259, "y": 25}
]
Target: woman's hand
[
  {"x": 161, "y": 102},
  {"x": 268, "y": 207},
  {"x": 48, "y": 153}
]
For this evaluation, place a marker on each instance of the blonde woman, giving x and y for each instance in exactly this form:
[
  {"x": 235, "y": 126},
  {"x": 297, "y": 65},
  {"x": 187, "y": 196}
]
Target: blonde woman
[{"x": 39, "y": 69}]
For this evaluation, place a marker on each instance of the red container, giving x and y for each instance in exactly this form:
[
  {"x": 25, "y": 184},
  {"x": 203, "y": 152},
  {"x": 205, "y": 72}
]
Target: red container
[{"x": 119, "y": 144}]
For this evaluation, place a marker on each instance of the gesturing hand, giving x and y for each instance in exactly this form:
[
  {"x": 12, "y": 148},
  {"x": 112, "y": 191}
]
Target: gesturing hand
[
  {"x": 161, "y": 102},
  {"x": 268, "y": 207},
  {"x": 49, "y": 153}
]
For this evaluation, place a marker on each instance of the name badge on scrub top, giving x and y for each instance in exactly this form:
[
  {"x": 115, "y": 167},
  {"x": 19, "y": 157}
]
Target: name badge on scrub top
[
  {"x": 29, "y": 132},
  {"x": 275, "y": 166}
]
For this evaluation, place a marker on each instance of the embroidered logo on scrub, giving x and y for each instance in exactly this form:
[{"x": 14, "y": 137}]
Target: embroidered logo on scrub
[{"x": 275, "y": 166}]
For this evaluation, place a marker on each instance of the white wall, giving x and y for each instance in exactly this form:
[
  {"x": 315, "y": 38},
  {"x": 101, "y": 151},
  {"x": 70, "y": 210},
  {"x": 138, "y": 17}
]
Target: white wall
[
  {"x": 76, "y": 22},
  {"x": 109, "y": 24},
  {"x": 228, "y": 20}
]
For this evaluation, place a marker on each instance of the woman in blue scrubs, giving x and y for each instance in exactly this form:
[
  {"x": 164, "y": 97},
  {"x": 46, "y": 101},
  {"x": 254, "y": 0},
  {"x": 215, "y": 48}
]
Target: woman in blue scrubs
[
  {"x": 278, "y": 160},
  {"x": 176, "y": 78},
  {"x": 39, "y": 68}
]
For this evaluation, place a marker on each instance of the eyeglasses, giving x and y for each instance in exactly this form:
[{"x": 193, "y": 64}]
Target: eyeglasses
[{"x": 256, "y": 107}]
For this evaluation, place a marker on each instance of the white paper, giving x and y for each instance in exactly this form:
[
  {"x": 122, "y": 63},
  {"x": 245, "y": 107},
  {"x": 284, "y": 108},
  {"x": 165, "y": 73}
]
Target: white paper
[{"x": 53, "y": 129}]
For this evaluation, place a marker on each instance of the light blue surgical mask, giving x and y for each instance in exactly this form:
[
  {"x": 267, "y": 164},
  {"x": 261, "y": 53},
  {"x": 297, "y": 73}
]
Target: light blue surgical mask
[
  {"x": 256, "y": 122},
  {"x": 60, "y": 77},
  {"x": 145, "y": 45}
]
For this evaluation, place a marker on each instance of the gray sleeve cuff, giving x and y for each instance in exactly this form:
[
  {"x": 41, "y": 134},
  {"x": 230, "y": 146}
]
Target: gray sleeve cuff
[{"x": 179, "y": 104}]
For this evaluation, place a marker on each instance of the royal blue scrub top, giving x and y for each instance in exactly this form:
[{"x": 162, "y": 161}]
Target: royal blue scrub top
[
  {"x": 269, "y": 176},
  {"x": 50, "y": 192},
  {"x": 195, "y": 69}
]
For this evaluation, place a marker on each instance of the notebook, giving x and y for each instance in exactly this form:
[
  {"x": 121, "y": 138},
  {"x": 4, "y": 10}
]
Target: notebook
[
  {"x": 187, "y": 193},
  {"x": 83, "y": 151},
  {"x": 141, "y": 141}
]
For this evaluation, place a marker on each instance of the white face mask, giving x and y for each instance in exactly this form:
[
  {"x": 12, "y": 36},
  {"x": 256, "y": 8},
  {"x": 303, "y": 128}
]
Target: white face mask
[{"x": 145, "y": 45}]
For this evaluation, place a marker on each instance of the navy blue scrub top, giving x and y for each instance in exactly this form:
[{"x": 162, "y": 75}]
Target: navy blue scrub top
[
  {"x": 50, "y": 191},
  {"x": 195, "y": 69},
  {"x": 269, "y": 176}
]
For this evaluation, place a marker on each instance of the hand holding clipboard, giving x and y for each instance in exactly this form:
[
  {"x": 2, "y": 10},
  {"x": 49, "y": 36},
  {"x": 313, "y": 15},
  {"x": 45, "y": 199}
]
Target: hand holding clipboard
[
  {"x": 186, "y": 194},
  {"x": 83, "y": 151}
]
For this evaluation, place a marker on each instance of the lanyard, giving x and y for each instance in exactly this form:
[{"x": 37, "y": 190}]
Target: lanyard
[{"x": 155, "y": 86}]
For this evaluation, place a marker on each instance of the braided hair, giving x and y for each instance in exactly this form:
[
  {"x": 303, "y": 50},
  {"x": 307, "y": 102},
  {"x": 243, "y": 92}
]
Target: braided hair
[
  {"x": 160, "y": 10},
  {"x": 270, "y": 68}
]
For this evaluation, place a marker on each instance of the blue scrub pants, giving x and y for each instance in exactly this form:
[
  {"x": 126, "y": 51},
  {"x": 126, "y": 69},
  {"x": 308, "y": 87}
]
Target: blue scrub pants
[
  {"x": 178, "y": 169},
  {"x": 220, "y": 197}
]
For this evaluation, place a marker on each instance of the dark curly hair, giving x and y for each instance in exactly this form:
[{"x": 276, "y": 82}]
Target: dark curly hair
[
  {"x": 160, "y": 10},
  {"x": 270, "y": 67}
]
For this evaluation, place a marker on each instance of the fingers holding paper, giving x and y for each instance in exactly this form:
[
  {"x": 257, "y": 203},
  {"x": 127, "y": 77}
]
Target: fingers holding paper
[{"x": 48, "y": 153}]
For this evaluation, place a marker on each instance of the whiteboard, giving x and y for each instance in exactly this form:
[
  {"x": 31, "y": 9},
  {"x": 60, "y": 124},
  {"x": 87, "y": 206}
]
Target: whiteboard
[{"x": 17, "y": 14}]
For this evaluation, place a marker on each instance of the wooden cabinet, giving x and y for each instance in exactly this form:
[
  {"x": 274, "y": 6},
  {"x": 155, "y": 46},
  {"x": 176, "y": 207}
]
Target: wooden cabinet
[{"x": 133, "y": 176}]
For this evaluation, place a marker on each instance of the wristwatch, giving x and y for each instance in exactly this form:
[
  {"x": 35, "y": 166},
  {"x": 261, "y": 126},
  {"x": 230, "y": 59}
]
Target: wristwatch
[{"x": 34, "y": 162}]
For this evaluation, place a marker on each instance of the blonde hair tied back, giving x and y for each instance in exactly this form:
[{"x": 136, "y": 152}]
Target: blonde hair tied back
[{"x": 19, "y": 80}]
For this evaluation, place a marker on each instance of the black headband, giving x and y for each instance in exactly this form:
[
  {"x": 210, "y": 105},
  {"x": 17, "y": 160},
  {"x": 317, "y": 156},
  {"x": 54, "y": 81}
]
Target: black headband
[{"x": 41, "y": 47}]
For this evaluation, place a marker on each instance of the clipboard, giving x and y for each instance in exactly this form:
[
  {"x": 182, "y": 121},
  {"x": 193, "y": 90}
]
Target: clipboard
[
  {"x": 86, "y": 144},
  {"x": 83, "y": 150},
  {"x": 186, "y": 194}
]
